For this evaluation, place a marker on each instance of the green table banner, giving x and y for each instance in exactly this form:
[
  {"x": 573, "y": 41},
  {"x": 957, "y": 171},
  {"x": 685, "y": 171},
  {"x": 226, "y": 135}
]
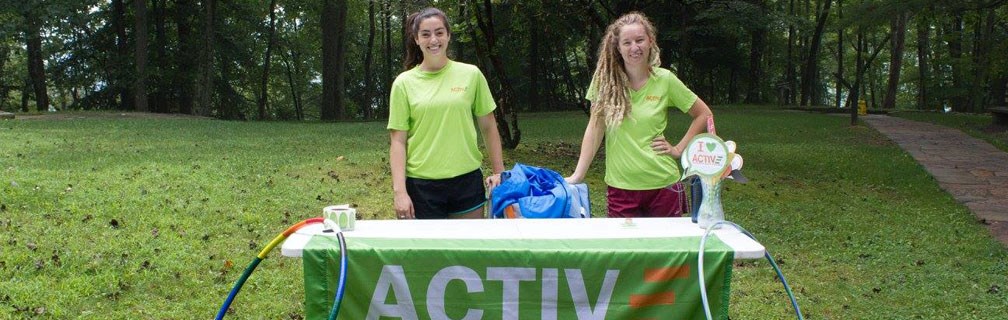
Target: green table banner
[{"x": 621, "y": 278}]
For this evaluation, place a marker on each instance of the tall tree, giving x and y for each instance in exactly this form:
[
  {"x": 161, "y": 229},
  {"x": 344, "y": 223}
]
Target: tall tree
[
  {"x": 758, "y": 39},
  {"x": 121, "y": 78},
  {"x": 861, "y": 67},
  {"x": 140, "y": 54},
  {"x": 789, "y": 82},
  {"x": 368, "y": 62},
  {"x": 333, "y": 50},
  {"x": 387, "y": 39},
  {"x": 955, "y": 39},
  {"x": 185, "y": 59},
  {"x": 506, "y": 116},
  {"x": 898, "y": 29},
  {"x": 4, "y": 88},
  {"x": 205, "y": 82},
  {"x": 264, "y": 79},
  {"x": 923, "y": 59},
  {"x": 160, "y": 98},
  {"x": 840, "y": 54},
  {"x": 36, "y": 67},
  {"x": 809, "y": 80},
  {"x": 534, "y": 67}
]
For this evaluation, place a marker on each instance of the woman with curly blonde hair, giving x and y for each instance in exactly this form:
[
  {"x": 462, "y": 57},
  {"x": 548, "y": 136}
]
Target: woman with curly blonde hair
[{"x": 632, "y": 97}]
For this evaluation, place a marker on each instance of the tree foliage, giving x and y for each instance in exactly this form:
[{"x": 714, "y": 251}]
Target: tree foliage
[{"x": 232, "y": 59}]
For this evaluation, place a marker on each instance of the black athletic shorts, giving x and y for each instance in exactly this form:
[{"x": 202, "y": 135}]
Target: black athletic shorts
[{"x": 443, "y": 198}]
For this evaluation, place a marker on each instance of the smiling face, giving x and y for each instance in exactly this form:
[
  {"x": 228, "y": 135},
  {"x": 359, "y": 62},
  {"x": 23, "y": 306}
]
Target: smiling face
[
  {"x": 634, "y": 45},
  {"x": 432, "y": 36}
]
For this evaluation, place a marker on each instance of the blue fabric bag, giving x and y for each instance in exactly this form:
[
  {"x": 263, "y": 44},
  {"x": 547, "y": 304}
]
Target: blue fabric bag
[{"x": 539, "y": 193}]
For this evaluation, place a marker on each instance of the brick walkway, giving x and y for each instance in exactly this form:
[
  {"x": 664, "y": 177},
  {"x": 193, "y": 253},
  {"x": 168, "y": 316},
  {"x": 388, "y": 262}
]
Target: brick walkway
[{"x": 951, "y": 156}]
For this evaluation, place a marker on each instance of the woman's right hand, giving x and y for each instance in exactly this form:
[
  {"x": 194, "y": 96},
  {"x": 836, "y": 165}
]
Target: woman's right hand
[
  {"x": 403, "y": 206},
  {"x": 572, "y": 180}
]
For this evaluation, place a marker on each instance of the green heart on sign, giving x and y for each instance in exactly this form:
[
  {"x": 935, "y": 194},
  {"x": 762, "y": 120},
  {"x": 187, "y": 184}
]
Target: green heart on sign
[{"x": 711, "y": 146}]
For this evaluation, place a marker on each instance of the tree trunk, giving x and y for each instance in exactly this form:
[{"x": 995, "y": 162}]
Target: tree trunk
[
  {"x": 758, "y": 37},
  {"x": 159, "y": 98},
  {"x": 574, "y": 89},
  {"x": 36, "y": 66},
  {"x": 790, "y": 69},
  {"x": 387, "y": 38},
  {"x": 264, "y": 80},
  {"x": 333, "y": 48},
  {"x": 186, "y": 76},
  {"x": 855, "y": 90},
  {"x": 955, "y": 53},
  {"x": 140, "y": 54},
  {"x": 510, "y": 134},
  {"x": 25, "y": 95},
  {"x": 295, "y": 94},
  {"x": 923, "y": 59},
  {"x": 205, "y": 83},
  {"x": 533, "y": 67},
  {"x": 984, "y": 33},
  {"x": 369, "y": 91},
  {"x": 862, "y": 65},
  {"x": 840, "y": 51},
  {"x": 809, "y": 79},
  {"x": 121, "y": 81},
  {"x": 896, "y": 60},
  {"x": 4, "y": 88}
]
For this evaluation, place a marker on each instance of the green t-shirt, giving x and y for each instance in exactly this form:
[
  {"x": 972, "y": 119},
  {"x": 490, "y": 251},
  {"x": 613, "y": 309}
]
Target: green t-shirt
[
  {"x": 631, "y": 163},
  {"x": 436, "y": 109}
]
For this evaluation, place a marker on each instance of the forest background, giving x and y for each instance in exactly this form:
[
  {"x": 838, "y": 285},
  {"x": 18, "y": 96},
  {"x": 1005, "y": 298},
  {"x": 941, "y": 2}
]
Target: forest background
[
  {"x": 334, "y": 60},
  {"x": 225, "y": 187}
]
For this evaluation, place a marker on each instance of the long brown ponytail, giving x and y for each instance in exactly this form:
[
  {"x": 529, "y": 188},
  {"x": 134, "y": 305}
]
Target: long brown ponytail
[{"x": 414, "y": 55}]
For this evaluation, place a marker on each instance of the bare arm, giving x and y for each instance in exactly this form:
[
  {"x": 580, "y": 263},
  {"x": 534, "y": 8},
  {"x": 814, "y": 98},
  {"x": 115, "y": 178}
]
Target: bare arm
[
  {"x": 492, "y": 140},
  {"x": 700, "y": 112},
  {"x": 397, "y": 162},
  {"x": 590, "y": 144}
]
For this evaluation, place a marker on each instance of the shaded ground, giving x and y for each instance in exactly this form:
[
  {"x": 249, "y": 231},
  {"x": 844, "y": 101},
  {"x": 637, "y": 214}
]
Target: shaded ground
[{"x": 103, "y": 115}]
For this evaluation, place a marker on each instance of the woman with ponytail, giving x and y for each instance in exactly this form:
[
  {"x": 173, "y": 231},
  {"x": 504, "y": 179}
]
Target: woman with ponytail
[
  {"x": 632, "y": 97},
  {"x": 434, "y": 156}
]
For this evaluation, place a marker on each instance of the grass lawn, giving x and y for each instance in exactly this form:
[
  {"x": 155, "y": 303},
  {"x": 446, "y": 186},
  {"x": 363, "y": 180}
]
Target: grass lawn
[{"x": 156, "y": 218}]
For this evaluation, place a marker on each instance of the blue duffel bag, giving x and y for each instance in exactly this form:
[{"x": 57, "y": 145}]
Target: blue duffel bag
[{"x": 533, "y": 192}]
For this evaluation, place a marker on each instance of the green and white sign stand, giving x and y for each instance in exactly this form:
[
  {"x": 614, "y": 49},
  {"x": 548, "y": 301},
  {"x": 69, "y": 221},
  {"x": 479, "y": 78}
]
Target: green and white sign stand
[{"x": 711, "y": 159}]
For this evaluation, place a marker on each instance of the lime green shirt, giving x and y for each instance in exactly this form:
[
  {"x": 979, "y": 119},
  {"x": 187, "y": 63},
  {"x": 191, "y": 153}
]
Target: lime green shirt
[
  {"x": 436, "y": 109},
  {"x": 631, "y": 163}
]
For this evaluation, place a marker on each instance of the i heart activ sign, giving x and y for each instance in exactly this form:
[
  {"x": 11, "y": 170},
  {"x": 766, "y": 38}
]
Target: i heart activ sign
[{"x": 706, "y": 155}]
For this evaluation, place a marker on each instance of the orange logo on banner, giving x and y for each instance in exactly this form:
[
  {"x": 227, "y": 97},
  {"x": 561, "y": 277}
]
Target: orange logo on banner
[{"x": 658, "y": 275}]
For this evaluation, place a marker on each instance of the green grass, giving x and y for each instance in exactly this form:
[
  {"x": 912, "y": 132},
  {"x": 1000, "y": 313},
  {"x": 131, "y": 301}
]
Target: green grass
[{"x": 156, "y": 218}]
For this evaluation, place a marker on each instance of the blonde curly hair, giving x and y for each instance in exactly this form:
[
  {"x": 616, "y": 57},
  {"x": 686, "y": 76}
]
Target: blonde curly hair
[{"x": 612, "y": 101}]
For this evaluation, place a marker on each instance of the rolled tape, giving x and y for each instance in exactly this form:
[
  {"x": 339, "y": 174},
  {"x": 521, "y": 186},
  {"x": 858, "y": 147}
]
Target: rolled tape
[{"x": 343, "y": 215}]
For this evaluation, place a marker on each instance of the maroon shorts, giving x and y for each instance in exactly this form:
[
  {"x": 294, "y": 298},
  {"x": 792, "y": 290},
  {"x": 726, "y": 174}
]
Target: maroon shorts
[{"x": 665, "y": 202}]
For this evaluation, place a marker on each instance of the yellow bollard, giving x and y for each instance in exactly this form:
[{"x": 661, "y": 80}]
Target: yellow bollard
[{"x": 862, "y": 107}]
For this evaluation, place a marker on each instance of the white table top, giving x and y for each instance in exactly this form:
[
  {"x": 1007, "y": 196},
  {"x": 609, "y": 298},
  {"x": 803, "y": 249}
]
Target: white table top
[{"x": 595, "y": 228}]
